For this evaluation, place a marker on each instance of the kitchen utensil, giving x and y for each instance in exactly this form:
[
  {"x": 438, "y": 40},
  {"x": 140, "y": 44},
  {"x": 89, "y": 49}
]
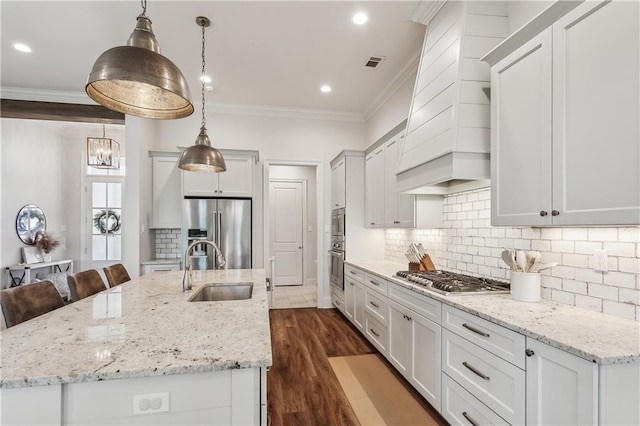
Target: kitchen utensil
[
  {"x": 521, "y": 260},
  {"x": 506, "y": 257},
  {"x": 537, "y": 267},
  {"x": 513, "y": 259},
  {"x": 532, "y": 258}
]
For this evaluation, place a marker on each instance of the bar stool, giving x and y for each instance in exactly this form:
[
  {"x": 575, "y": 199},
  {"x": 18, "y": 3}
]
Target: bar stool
[
  {"x": 28, "y": 301},
  {"x": 116, "y": 274},
  {"x": 84, "y": 284}
]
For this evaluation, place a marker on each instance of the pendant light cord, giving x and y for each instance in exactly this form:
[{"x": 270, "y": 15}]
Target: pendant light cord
[
  {"x": 204, "y": 121},
  {"x": 143, "y": 3}
]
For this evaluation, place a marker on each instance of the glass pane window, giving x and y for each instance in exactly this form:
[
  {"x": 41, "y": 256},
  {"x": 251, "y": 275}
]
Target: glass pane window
[{"x": 106, "y": 229}]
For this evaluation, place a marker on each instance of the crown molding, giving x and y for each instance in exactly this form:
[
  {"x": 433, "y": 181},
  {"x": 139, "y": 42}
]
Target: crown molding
[
  {"x": 426, "y": 10},
  {"x": 24, "y": 94},
  {"x": 407, "y": 72}
]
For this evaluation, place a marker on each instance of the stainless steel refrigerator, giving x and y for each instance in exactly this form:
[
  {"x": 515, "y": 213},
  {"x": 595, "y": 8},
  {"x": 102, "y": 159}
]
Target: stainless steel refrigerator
[{"x": 227, "y": 222}]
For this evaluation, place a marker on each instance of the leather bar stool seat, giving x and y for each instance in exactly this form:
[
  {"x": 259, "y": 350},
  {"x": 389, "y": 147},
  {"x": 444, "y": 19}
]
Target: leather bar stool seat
[
  {"x": 28, "y": 301},
  {"x": 84, "y": 284},
  {"x": 116, "y": 274}
]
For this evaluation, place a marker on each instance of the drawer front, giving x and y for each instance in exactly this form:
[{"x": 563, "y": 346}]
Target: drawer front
[
  {"x": 338, "y": 300},
  {"x": 507, "y": 344},
  {"x": 423, "y": 305},
  {"x": 459, "y": 407},
  {"x": 376, "y": 305},
  {"x": 497, "y": 383},
  {"x": 354, "y": 273},
  {"x": 376, "y": 283},
  {"x": 376, "y": 333}
]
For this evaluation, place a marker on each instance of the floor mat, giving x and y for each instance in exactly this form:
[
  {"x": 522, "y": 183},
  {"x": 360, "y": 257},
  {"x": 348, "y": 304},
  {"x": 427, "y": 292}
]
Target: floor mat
[{"x": 375, "y": 394}]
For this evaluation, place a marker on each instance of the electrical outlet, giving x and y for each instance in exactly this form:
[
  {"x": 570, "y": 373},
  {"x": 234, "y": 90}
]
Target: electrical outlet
[
  {"x": 149, "y": 403},
  {"x": 600, "y": 260}
]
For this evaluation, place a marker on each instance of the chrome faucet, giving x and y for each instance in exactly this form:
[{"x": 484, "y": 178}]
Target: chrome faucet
[{"x": 186, "y": 282}]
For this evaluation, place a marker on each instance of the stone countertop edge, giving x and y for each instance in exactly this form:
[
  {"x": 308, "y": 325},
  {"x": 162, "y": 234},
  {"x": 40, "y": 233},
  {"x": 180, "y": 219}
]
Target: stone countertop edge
[
  {"x": 127, "y": 332},
  {"x": 595, "y": 336},
  {"x": 165, "y": 261}
]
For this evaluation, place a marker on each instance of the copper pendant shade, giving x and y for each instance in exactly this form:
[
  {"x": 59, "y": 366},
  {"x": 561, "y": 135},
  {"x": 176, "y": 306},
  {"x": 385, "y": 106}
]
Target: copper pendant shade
[
  {"x": 136, "y": 79},
  {"x": 202, "y": 157}
]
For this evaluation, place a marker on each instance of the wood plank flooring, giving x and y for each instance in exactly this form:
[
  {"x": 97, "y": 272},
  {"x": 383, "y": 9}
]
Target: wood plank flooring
[{"x": 301, "y": 386}]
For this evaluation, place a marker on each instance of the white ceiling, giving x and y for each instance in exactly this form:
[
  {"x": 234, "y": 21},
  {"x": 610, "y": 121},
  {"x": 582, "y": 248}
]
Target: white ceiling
[{"x": 264, "y": 53}]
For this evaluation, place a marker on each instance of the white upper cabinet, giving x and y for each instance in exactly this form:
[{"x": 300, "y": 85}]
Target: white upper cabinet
[
  {"x": 565, "y": 128},
  {"x": 236, "y": 181},
  {"x": 448, "y": 130},
  {"x": 374, "y": 188},
  {"x": 399, "y": 209},
  {"x": 166, "y": 198},
  {"x": 338, "y": 184}
]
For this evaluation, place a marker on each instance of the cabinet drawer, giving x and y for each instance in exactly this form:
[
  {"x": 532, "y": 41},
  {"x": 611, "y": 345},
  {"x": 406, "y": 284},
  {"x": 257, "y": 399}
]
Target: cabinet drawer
[
  {"x": 376, "y": 333},
  {"x": 459, "y": 407},
  {"x": 337, "y": 298},
  {"x": 354, "y": 273},
  {"x": 425, "y": 306},
  {"x": 376, "y": 305},
  {"x": 507, "y": 344},
  {"x": 376, "y": 283},
  {"x": 494, "y": 381}
]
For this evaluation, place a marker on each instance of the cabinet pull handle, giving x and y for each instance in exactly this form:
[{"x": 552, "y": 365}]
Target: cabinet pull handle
[
  {"x": 475, "y": 330},
  {"x": 353, "y": 272},
  {"x": 396, "y": 222},
  {"x": 374, "y": 333},
  {"x": 543, "y": 213},
  {"x": 469, "y": 419},
  {"x": 336, "y": 205},
  {"x": 372, "y": 223},
  {"x": 373, "y": 282},
  {"x": 374, "y": 305},
  {"x": 555, "y": 212},
  {"x": 485, "y": 377},
  {"x": 351, "y": 283},
  {"x": 529, "y": 352}
]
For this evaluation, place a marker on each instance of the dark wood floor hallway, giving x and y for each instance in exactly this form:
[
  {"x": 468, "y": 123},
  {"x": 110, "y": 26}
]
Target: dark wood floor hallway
[{"x": 301, "y": 386}]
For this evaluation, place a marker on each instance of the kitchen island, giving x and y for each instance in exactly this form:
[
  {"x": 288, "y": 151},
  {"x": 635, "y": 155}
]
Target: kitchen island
[{"x": 141, "y": 353}]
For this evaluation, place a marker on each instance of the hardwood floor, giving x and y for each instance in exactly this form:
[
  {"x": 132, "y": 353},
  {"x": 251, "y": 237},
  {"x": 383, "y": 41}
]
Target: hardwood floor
[{"x": 301, "y": 386}]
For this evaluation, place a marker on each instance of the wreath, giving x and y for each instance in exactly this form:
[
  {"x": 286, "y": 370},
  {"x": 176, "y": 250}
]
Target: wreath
[{"x": 107, "y": 221}]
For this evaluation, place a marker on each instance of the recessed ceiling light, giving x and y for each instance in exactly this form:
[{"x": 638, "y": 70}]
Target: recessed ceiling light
[
  {"x": 22, "y": 47},
  {"x": 359, "y": 18},
  {"x": 205, "y": 79},
  {"x": 325, "y": 88}
]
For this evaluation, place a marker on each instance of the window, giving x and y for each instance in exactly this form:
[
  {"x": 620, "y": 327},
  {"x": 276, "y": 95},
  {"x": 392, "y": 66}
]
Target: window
[{"x": 106, "y": 209}]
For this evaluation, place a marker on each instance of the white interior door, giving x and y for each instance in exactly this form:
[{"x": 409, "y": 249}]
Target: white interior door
[
  {"x": 103, "y": 223},
  {"x": 286, "y": 217}
]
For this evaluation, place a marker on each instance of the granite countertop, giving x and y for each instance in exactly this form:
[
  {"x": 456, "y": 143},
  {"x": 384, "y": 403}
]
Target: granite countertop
[
  {"x": 597, "y": 337},
  {"x": 142, "y": 328},
  {"x": 162, "y": 262}
]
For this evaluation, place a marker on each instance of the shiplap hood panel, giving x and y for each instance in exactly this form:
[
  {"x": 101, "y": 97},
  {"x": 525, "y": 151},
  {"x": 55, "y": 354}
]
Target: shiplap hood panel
[{"x": 448, "y": 136}]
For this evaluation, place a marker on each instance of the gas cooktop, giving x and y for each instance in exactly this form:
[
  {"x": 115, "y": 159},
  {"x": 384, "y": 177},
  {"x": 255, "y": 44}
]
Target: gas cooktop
[{"x": 446, "y": 283}]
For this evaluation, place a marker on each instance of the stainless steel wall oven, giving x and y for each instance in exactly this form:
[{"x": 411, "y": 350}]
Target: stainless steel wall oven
[{"x": 337, "y": 248}]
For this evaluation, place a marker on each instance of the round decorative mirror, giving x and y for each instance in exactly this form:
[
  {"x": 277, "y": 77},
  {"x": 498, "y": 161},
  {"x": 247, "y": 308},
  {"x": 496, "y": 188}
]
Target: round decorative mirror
[{"x": 29, "y": 221}]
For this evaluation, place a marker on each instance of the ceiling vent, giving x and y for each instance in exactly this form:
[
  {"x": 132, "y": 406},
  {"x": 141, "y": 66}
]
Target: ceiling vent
[{"x": 374, "y": 61}]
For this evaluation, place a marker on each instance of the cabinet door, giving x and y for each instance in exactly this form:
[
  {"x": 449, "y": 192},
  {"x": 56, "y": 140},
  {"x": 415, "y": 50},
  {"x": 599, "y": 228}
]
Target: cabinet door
[
  {"x": 338, "y": 184},
  {"x": 426, "y": 358},
  {"x": 237, "y": 181},
  {"x": 200, "y": 184},
  {"x": 399, "y": 209},
  {"x": 596, "y": 103},
  {"x": 521, "y": 135},
  {"x": 167, "y": 206},
  {"x": 562, "y": 389},
  {"x": 358, "y": 311},
  {"x": 374, "y": 189},
  {"x": 349, "y": 298},
  {"x": 399, "y": 338}
]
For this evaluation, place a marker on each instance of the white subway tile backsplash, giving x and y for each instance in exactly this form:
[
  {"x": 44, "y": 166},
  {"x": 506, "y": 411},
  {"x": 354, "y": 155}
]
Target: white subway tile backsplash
[
  {"x": 467, "y": 243},
  {"x": 168, "y": 244}
]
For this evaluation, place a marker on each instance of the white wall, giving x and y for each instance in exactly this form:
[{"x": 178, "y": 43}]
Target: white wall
[{"x": 307, "y": 173}]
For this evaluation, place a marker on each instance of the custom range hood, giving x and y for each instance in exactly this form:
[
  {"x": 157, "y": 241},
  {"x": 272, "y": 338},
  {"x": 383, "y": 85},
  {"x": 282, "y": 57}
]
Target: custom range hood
[{"x": 447, "y": 143}]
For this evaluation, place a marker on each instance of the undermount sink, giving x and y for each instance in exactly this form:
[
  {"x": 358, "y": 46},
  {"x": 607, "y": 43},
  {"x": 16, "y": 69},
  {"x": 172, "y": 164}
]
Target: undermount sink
[{"x": 216, "y": 292}]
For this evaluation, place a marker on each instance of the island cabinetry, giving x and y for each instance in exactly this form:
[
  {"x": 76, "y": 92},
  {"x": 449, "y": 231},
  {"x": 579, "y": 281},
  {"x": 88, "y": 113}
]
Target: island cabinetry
[
  {"x": 338, "y": 184},
  {"x": 237, "y": 181},
  {"x": 165, "y": 183},
  {"x": 415, "y": 341},
  {"x": 561, "y": 388},
  {"x": 561, "y": 112}
]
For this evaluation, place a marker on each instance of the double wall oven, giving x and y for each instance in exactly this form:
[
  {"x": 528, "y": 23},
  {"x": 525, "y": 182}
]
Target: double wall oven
[{"x": 337, "y": 248}]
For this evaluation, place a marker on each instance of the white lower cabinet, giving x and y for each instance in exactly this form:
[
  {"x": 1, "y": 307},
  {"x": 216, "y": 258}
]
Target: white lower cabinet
[
  {"x": 354, "y": 302},
  {"x": 414, "y": 349},
  {"x": 459, "y": 407},
  {"x": 562, "y": 389},
  {"x": 337, "y": 298},
  {"x": 160, "y": 267},
  {"x": 376, "y": 333}
]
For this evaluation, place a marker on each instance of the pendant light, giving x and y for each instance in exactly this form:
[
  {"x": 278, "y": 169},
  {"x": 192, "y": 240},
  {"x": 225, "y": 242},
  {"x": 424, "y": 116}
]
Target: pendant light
[
  {"x": 202, "y": 157},
  {"x": 136, "y": 79},
  {"x": 103, "y": 153}
]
